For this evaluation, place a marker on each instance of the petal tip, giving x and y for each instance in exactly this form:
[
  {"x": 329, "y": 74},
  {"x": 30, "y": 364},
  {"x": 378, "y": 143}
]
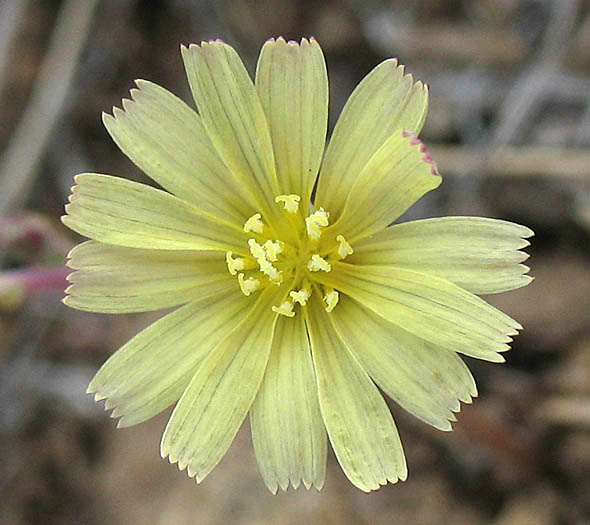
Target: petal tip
[
  {"x": 122, "y": 422},
  {"x": 426, "y": 157},
  {"x": 273, "y": 488},
  {"x": 107, "y": 117},
  {"x": 318, "y": 485}
]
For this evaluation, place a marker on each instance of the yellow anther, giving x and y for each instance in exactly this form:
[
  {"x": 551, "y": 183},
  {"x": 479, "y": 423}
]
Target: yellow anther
[
  {"x": 290, "y": 202},
  {"x": 254, "y": 224},
  {"x": 317, "y": 263},
  {"x": 315, "y": 222},
  {"x": 234, "y": 265},
  {"x": 273, "y": 274},
  {"x": 272, "y": 249},
  {"x": 248, "y": 285},
  {"x": 301, "y": 296},
  {"x": 331, "y": 299},
  {"x": 344, "y": 249},
  {"x": 257, "y": 250},
  {"x": 260, "y": 254},
  {"x": 285, "y": 309}
]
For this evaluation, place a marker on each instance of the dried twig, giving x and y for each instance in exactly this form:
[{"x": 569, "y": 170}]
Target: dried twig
[
  {"x": 12, "y": 12},
  {"x": 514, "y": 161},
  {"x": 28, "y": 143}
]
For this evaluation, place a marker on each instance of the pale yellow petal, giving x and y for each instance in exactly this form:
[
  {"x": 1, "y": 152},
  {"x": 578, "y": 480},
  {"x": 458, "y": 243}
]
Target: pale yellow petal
[
  {"x": 152, "y": 370},
  {"x": 288, "y": 433},
  {"x": 436, "y": 310},
  {"x": 384, "y": 102},
  {"x": 478, "y": 254},
  {"x": 166, "y": 139},
  {"x": 395, "y": 177},
  {"x": 292, "y": 83},
  {"x": 212, "y": 408},
  {"x": 125, "y": 213},
  {"x": 426, "y": 380},
  {"x": 234, "y": 119},
  {"x": 115, "y": 279},
  {"x": 359, "y": 423}
]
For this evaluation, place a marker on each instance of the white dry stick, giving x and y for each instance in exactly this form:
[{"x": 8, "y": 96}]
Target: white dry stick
[{"x": 26, "y": 147}]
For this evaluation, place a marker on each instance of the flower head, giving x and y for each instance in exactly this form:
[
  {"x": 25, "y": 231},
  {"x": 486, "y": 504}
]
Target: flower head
[{"x": 289, "y": 310}]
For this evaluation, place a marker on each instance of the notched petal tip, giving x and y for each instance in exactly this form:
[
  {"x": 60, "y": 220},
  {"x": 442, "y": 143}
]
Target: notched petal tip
[
  {"x": 285, "y": 485},
  {"x": 191, "y": 48},
  {"x": 109, "y": 404},
  {"x": 496, "y": 358},
  {"x": 123, "y": 422},
  {"x": 107, "y": 117},
  {"x": 135, "y": 93},
  {"x": 272, "y": 487},
  {"x": 127, "y": 104},
  {"x": 394, "y": 62},
  {"x": 528, "y": 233},
  {"x": 426, "y": 157},
  {"x": 205, "y": 43},
  {"x": 180, "y": 462},
  {"x": 142, "y": 83},
  {"x": 318, "y": 485}
]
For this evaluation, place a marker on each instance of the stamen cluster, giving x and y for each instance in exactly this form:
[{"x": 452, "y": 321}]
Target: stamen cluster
[{"x": 289, "y": 252}]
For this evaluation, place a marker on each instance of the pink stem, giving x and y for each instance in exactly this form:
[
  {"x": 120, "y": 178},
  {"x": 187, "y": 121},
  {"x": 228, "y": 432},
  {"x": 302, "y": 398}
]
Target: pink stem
[{"x": 35, "y": 279}]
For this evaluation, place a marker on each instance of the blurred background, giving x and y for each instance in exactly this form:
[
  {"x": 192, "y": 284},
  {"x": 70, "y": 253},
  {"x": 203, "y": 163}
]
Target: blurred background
[{"x": 509, "y": 126}]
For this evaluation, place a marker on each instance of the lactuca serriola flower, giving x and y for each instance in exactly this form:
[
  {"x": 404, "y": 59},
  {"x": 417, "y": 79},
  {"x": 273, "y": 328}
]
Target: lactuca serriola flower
[{"x": 292, "y": 310}]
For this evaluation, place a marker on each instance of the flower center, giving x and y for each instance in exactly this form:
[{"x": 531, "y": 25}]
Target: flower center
[{"x": 291, "y": 253}]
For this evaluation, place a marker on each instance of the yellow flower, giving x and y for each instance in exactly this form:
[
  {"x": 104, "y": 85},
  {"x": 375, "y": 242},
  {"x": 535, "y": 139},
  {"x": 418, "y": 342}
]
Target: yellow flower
[{"x": 291, "y": 313}]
